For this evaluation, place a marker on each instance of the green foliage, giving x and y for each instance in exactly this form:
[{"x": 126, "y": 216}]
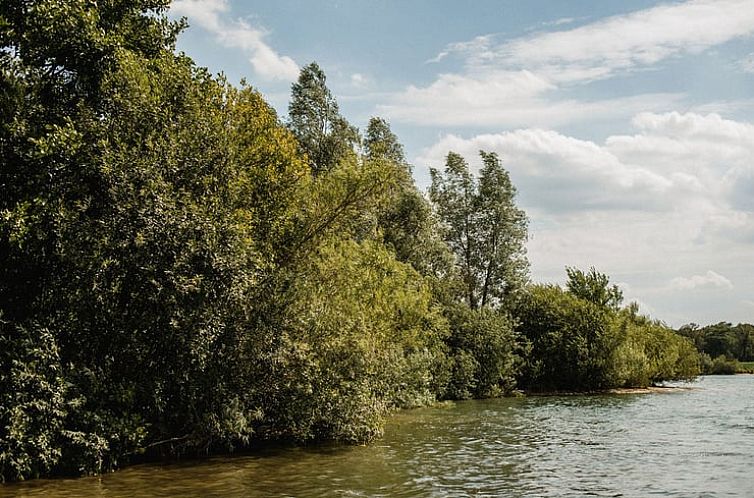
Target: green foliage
[
  {"x": 723, "y": 366},
  {"x": 746, "y": 367},
  {"x": 482, "y": 348},
  {"x": 360, "y": 337},
  {"x": 579, "y": 344},
  {"x": 324, "y": 135},
  {"x": 722, "y": 339},
  {"x": 404, "y": 217},
  {"x": 143, "y": 204},
  {"x": 593, "y": 287},
  {"x": 32, "y": 402},
  {"x": 181, "y": 274},
  {"x": 380, "y": 143},
  {"x": 572, "y": 340},
  {"x": 650, "y": 353},
  {"x": 483, "y": 227}
]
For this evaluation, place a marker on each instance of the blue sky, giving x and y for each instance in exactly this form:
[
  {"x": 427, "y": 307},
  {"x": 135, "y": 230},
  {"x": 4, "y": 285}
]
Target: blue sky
[{"x": 628, "y": 127}]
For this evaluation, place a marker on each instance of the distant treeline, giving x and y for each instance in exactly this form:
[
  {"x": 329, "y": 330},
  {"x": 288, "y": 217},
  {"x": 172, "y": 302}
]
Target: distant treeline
[
  {"x": 181, "y": 272},
  {"x": 723, "y": 346}
]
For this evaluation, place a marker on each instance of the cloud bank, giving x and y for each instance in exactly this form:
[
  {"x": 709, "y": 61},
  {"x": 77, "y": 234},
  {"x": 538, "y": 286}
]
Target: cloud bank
[{"x": 644, "y": 207}]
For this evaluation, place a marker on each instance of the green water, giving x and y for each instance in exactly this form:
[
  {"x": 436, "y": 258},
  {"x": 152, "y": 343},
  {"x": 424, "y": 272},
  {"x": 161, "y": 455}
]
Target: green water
[{"x": 685, "y": 443}]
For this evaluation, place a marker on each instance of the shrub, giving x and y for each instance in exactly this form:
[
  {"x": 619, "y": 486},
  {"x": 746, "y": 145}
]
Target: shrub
[
  {"x": 722, "y": 365},
  {"x": 32, "y": 402},
  {"x": 481, "y": 346}
]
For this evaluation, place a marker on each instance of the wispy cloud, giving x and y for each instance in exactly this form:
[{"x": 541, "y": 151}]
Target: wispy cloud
[
  {"x": 747, "y": 63},
  {"x": 560, "y": 22},
  {"x": 509, "y": 99},
  {"x": 519, "y": 82},
  {"x": 213, "y": 16},
  {"x": 637, "y": 39},
  {"x": 710, "y": 280},
  {"x": 599, "y": 49},
  {"x": 358, "y": 80}
]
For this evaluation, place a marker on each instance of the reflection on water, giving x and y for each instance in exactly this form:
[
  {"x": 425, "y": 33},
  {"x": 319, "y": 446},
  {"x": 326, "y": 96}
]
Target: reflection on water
[{"x": 697, "y": 442}]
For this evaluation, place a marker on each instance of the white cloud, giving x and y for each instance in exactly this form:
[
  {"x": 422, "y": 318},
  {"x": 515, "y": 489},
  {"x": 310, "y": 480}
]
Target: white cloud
[
  {"x": 709, "y": 280},
  {"x": 713, "y": 157},
  {"x": 507, "y": 98},
  {"x": 520, "y": 82},
  {"x": 560, "y": 173},
  {"x": 644, "y": 208},
  {"x": 358, "y": 80},
  {"x": 560, "y": 22},
  {"x": 622, "y": 42},
  {"x": 689, "y": 163},
  {"x": 205, "y": 13},
  {"x": 211, "y": 15}
]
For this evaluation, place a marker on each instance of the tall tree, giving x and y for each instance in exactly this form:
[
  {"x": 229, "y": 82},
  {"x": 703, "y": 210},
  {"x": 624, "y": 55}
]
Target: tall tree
[
  {"x": 324, "y": 135},
  {"x": 381, "y": 143},
  {"x": 484, "y": 228},
  {"x": 405, "y": 218}
]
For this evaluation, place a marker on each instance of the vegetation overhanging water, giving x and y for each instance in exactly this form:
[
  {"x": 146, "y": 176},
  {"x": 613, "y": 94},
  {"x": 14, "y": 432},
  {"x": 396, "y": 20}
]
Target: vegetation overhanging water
[
  {"x": 695, "y": 441},
  {"x": 183, "y": 273}
]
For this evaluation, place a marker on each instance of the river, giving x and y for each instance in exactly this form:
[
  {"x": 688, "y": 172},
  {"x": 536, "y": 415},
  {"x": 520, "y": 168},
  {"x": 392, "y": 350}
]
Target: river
[{"x": 695, "y": 442}]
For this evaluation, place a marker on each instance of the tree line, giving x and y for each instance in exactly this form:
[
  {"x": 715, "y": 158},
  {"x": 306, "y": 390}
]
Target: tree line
[
  {"x": 184, "y": 272},
  {"x": 723, "y": 346}
]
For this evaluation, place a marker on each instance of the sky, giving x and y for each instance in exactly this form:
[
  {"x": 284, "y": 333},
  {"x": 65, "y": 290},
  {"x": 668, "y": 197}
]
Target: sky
[{"x": 627, "y": 127}]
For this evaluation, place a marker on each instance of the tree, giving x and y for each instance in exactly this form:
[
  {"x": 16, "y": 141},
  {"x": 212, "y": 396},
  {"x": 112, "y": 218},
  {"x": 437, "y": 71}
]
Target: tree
[
  {"x": 142, "y": 204},
  {"x": 380, "y": 143},
  {"x": 578, "y": 344},
  {"x": 483, "y": 227},
  {"x": 594, "y": 287},
  {"x": 405, "y": 218},
  {"x": 744, "y": 334},
  {"x": 482, "y": 350},
  {"x": 323, "y": 134},
  {"x": 571, "y": 340},
  {"x": 720, "y": 340}
]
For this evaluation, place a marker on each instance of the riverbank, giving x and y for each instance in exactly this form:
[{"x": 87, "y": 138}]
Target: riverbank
[
  {"x": 631, "y": 446},
  {"x": 621, "y": 390}
]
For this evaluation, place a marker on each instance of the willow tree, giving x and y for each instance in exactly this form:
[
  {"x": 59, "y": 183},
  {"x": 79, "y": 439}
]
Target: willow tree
[
  {"x": 593, "y": 286},
  {"x": 314, "y": 118},
  {"x": 484, "y": 228}
]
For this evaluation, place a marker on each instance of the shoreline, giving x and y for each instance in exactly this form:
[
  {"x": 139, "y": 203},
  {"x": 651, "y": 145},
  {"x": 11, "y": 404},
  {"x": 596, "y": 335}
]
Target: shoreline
[{"x": 618, "y": 390}]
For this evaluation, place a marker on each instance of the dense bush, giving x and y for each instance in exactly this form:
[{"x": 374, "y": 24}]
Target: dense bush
[
  {"x": 572, "y": 341},
  {"x": 33, "y": 402},
  {"x": 173, "y": 278},
  {"x": 650, "y": 352},
  {"x": 577, "y": 344},
  {"x": 360, "y": 336},
  {"x": 722, "y": 366},
  {"x": 482, "y": 350}
]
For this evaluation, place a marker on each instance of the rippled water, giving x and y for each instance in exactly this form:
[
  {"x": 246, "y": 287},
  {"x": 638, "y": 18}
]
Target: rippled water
[{"x": 685, "y": 443}]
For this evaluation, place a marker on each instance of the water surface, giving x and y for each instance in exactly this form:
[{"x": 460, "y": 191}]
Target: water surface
[{"x": 683, "y": 443}]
